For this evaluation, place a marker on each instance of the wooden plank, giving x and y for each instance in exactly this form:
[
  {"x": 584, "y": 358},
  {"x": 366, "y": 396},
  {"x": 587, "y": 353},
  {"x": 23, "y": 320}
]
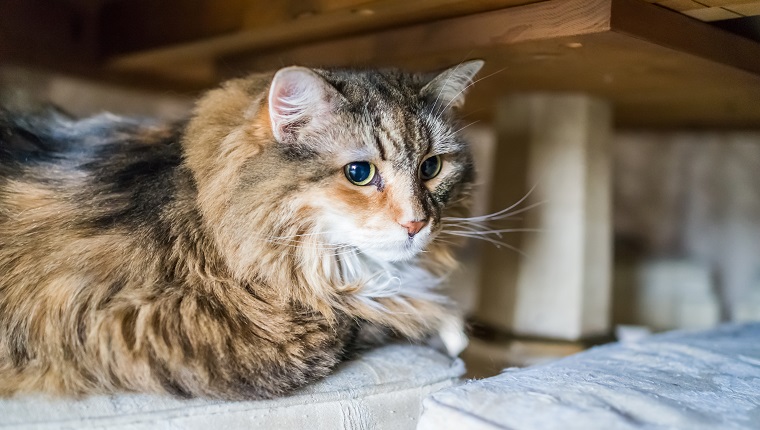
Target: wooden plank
[
  {"x": 751, "y": 9},
  {"x": 547, "y": 20},
  {"x": 681, "y": 5},
  {"x": 505, "y": 27},
  {"x": 134, "y": 25},
  {"x": 270, "y": 26},
  {"x": 646, "y": 22},
  {"x": 712, "y": 14},
  {"x": 96, "y": 30},
  {"x": 715, "y": 3},
  {"x": 659, "y": 68},
  {"x": 68, "y": 32},
  {"x": 651, "y": 86},
  {"x": 712, "y": 10},
  {"x": 312, "y": 20}
]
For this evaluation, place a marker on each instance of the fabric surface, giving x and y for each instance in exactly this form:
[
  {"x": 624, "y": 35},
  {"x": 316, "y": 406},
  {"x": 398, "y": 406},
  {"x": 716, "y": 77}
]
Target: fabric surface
[
  {"x": 382, "y": 389},
  {"x": 678, "y": 380}
]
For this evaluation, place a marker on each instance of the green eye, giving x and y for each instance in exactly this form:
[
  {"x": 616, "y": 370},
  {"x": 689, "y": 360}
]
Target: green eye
[
  {"x": 431, "y": 167},
  {"x": 360, "y": 172}
]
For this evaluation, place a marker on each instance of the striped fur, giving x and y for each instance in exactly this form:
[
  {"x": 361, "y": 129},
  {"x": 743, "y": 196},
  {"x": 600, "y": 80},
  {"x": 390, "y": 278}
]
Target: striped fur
[{"x": 209, "y": 258}]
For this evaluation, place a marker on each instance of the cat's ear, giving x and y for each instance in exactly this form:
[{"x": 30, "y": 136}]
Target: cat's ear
[
  {"x": 299, "y": 98},
  {"x": 447, "y": 89}
]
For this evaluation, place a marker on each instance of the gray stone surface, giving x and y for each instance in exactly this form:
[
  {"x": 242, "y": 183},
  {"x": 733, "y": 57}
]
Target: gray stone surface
[
  {"x": 383, "y": 388},
  {"x": 678, "y": 380}
]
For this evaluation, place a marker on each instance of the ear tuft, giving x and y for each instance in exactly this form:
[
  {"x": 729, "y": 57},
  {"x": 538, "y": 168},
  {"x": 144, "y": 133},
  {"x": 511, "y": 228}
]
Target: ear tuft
[
  {"x": 448, "y": 88},
  {"x": 298, "y": 98}
]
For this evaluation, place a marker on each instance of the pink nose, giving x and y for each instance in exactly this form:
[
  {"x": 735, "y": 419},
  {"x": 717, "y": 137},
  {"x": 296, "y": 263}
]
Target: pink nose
[{"x": 414, "y": 227}]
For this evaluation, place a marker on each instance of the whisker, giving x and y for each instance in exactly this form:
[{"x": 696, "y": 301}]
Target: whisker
[
  {"x": 316, "y": 233},
  {"x": 506, "y": 230},
  {"x": 323, "y": 247},
  {"x": 298, "y": 242},
  {"x": 439, "y": 239},
  {"x": 504, "y": 213},
  {"x": 462, "y": 128},
  {"x": 491, "y": 240},
  {"x": 468, "y": 227}
]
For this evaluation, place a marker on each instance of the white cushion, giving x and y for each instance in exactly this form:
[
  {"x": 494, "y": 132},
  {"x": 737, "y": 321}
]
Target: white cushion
[
  {"x": 383, "y": 388},
  {"x": 679, "y": 380}
]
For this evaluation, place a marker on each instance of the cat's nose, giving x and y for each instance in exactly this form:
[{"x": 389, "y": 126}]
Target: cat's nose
[{"x": 414, "y": 227}]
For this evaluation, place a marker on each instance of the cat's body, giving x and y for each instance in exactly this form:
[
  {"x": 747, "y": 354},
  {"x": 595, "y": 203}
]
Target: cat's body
[{"x": 227, "y": 256}]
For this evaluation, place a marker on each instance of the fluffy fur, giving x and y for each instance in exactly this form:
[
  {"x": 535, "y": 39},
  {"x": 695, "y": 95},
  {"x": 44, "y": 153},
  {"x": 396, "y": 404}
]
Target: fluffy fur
[{"x": 227, "y": 256}]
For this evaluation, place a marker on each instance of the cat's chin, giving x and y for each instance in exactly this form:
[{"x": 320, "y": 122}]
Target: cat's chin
[
  {"x": 391, "y": 257},
  {"x": 401, "y": 253}
]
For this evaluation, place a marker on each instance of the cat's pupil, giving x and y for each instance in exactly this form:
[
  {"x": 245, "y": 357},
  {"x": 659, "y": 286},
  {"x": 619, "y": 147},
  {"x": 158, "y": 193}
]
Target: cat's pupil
[
  {"x": 360, "y": 172},
  {"x": 430, "y": 167}
]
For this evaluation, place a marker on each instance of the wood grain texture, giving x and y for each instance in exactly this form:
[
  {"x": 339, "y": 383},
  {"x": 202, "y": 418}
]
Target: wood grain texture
[
  {"x": 749, "y": 9},
  {"x": 712, "y": 10},
  {"x": 644, "y": 22},
  {"x": 148, "y": 37},
  {"x": 269, "y": 25},
  {"x": 489, "y": 30},
  {"x": 659, "y": 68},
  {"x": 712, "y": 14}
]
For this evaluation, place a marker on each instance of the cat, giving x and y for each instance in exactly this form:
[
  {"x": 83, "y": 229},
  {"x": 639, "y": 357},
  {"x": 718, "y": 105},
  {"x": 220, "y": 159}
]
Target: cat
[{"x": 239, "y": 254}]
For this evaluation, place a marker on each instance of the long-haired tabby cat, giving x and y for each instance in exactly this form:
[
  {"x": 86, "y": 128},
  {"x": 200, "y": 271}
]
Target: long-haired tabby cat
[{"x": 240, "y": 254}]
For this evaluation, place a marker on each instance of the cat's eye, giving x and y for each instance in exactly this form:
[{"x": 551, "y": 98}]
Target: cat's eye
[
  {"x": 431, "y": 167},
  {"x": 360, "y": 172}
]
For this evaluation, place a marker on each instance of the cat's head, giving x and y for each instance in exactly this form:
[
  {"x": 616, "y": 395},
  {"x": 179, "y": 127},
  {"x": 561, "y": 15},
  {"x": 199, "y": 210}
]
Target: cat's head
[{"x": 367, "y": 160}]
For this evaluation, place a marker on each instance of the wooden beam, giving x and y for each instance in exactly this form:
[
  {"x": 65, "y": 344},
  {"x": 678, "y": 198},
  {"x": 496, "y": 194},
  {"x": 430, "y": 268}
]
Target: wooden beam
[
  {"x": 712, "y": 10},
  {"x": 270, "y": 25},
  {"x": 658, "y": 68},
  {"x": 684, "y": 35},
  {"x": 73, "y": 31},
  {"x": 135, "y": 25},
  {"x": 540, "y": 21}
]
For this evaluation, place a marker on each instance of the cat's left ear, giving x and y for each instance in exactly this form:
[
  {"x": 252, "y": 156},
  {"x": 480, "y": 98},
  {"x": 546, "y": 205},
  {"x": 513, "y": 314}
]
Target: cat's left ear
[
  {"x": 448, "y": 88},
  {"x": 299, "y": 98}
]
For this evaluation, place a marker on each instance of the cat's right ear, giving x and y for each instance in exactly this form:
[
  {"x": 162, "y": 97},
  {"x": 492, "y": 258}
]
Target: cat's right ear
[
  {"x": 299, "y": 98},
  {"x": 448, "y": 88}
]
